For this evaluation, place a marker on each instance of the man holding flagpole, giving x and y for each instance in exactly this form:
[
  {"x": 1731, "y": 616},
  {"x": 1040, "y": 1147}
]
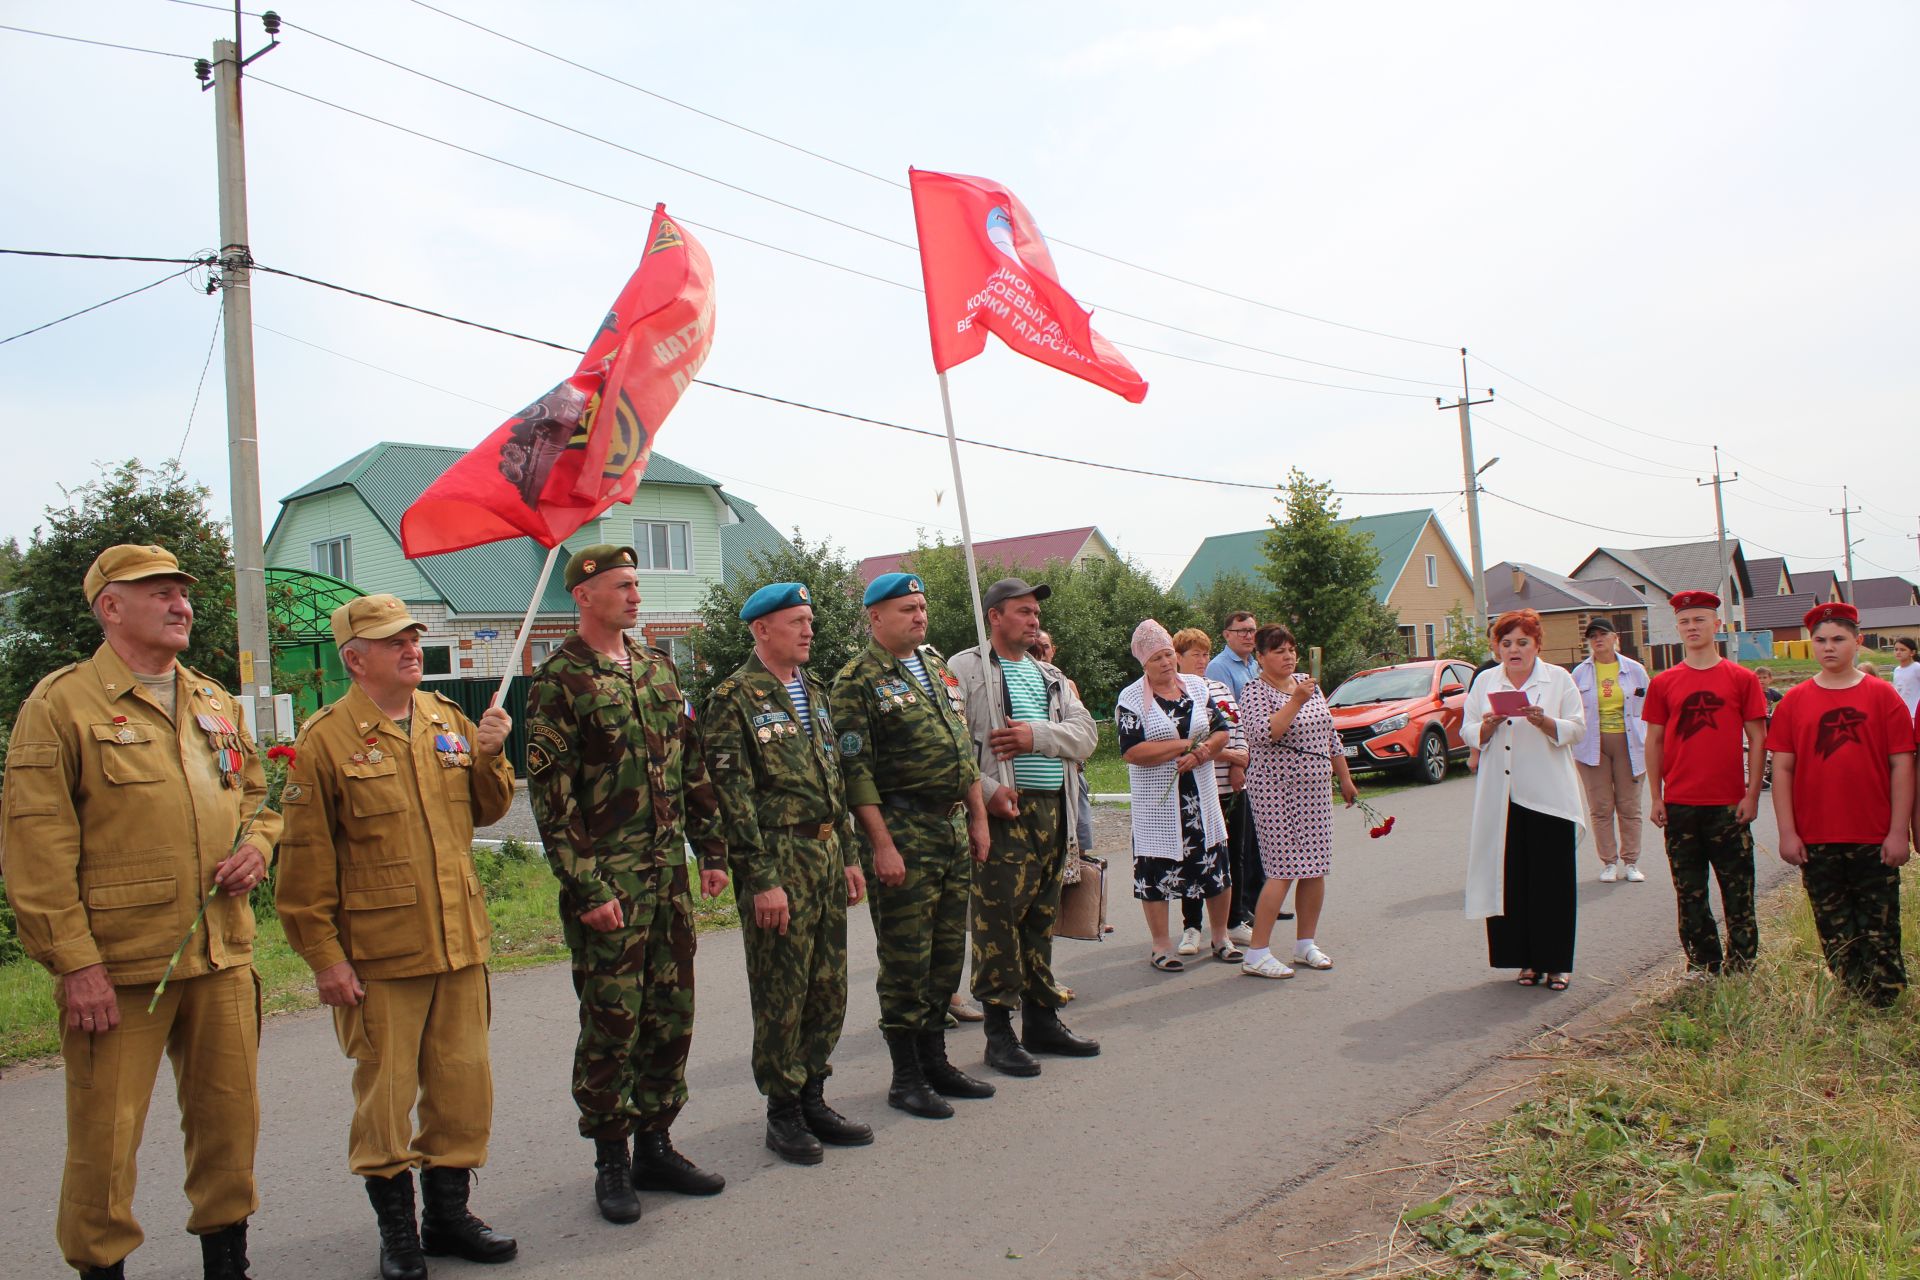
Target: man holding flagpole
[{"x": 774, "y": 760}]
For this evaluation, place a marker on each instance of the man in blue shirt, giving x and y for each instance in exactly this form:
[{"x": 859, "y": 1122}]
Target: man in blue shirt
[{"x": 1235, "y": 665}]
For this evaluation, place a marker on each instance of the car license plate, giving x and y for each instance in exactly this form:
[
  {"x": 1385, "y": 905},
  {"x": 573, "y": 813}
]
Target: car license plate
[{"x": 1350, "y": 750}]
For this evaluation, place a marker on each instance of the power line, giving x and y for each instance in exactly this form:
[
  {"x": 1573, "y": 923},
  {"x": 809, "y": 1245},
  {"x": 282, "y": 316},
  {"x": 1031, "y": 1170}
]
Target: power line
[
  {"x": 380, "y": 368},
  {"x": 868, "y": 173},
  {"x": 1611, "y": 466},
  {"x": 172, "y": 275},
  {"x": 1554, "y": 515},
  {"x": 219, "y": 314},
  {"x": 812, "y": 213},
  {"x": 108, "y": 257},
  {"x": 1667, "y": 438},
  {"x": 102, "y": 44},
  {"x": 1561, "y": 426}
]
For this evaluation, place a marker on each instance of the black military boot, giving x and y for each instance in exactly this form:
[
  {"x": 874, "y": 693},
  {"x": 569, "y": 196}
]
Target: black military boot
[
  {"x": 112, "y": 1271},
  {"x": 613, "y": 1181},
  {"x": 1041, "y": 1031},
  {"x": 787, "y": 1133},
  {"x": 827, "y": 1124},
  {"x": 910, "y": 1092},
  {"x": 1003, "y": 1050},
  {"x": 223, "y": 1253},
  {"x": 447, "y": 1227},
  {"x": 400, "y": 1256},
  {"x": 658, "y": 1167},
  {"x": 948, "y": 1080}
]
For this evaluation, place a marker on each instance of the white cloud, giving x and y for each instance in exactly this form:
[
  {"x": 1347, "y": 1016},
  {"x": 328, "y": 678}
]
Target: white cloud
[{"x": 1162, "y": 47}]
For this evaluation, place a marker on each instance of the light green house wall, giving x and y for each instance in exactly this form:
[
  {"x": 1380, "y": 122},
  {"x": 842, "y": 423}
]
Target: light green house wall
[
  {"x": 695, "y": 506},
  {"x": 376, "y": 553}
]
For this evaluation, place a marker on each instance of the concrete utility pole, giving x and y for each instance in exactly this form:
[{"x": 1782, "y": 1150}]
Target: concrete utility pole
[
  {"x": 1472, "y": 476},
  {"x": 1720, "y": 522},
  {"x": 1846, "y": 535},
  {"x": 232, "y": 278}
]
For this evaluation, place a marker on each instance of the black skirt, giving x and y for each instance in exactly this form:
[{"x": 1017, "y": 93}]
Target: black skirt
[{"x": 1542, "y": 905}]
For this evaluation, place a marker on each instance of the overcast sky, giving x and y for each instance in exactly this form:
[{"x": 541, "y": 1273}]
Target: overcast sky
[{"x": 1696, "y": 221}]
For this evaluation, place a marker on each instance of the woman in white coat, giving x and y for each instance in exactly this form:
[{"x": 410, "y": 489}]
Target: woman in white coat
[{"x": 1527, "y": 811}]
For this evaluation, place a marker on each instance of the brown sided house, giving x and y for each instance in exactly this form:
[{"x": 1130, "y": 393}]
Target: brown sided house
[{"x": 1566, "y": 606}]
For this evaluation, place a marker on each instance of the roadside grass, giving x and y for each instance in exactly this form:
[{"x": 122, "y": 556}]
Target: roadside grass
[
  {"x": 1756, "y": 1128},
  {"x": 521, "y": 900}
]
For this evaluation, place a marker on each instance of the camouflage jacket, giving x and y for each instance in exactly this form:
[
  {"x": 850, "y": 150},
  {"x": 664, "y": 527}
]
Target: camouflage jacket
[
  {"x": 770, "y": 772},
  {"x": 615, "y": 769},
  {"x": 895, "y": 737}
]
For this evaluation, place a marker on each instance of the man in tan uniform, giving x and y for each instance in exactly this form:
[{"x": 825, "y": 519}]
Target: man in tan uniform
[
  {"x": 378, "y": 894},
  {"x": 128, "y": 779}
]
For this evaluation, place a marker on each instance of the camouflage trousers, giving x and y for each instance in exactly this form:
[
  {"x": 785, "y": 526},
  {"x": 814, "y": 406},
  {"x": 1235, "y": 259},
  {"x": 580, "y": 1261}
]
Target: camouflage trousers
[
  {"x": 1856, "y": 909},
  {"x": 920, "y": 925},
  {"x": 1016, "y": 894},
  {"x": 1705, "y": 838},
  {"x": 635, "y": 985},
  {"x": 798, "y": 980}
]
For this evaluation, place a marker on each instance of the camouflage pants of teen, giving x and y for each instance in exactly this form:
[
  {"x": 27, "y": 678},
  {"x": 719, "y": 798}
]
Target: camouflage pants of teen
[
  {"x": 1016, "y": 894},
  {"x": 1856, "y": 908},
  {"x": 1701, "y": 839},
  {"x": 798, "y": 980},
  {"x": 635, "y": 985},
  {"x": 920, "y": 925}
]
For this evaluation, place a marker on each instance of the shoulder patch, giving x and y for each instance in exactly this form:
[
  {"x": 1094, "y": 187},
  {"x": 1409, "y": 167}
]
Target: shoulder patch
[
  {"x": 545, "y": 735},
  {"x": 725, "y": 688},
  {"x": 849, "y": 743}
]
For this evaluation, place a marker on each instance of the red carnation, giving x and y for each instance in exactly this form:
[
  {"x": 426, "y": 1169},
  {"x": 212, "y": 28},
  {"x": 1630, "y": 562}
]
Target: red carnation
[
  {"x": 281, "y": 753},
  {"x": 1387, "y": 825}
]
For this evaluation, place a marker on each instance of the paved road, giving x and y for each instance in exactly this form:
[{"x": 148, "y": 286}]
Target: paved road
[{"x": 1216, "y": 1093}]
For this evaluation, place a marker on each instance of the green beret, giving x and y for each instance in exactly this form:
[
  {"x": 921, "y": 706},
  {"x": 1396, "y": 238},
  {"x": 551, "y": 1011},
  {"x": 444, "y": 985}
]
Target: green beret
[
  {"x": 774, "y": 596},
  {"x": 889, "y": 585},
  {"x": 587, "y": 561}
]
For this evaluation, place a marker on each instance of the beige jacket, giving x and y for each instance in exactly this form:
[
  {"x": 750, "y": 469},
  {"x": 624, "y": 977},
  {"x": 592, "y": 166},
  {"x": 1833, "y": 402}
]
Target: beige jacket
[{"x": 115, "y": 817}]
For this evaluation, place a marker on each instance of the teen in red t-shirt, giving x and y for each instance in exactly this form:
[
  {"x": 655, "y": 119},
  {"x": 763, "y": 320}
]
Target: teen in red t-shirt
[
  {"x": 1706, "y": 755},
  {"x": 1843, "y": 751}
]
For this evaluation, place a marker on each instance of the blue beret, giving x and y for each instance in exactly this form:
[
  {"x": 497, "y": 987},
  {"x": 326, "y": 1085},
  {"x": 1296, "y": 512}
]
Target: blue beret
[
  {"x": 889, "y": 585},
  {"x": 775, "y": 595}
]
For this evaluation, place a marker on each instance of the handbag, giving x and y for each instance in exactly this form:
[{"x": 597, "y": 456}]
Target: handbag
[{"x": 1083, "y": 903}]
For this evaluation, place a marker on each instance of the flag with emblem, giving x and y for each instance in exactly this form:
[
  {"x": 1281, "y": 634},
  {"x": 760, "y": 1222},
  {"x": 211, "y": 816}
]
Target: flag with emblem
[
  {"x": 988, "y": 270},
  {"x": 582, "y": 446}
]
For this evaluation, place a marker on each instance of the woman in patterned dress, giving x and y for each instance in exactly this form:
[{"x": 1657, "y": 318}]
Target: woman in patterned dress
[
  {"x": 1169, "y": 731},
  {"x": 1293, "y": 759}
]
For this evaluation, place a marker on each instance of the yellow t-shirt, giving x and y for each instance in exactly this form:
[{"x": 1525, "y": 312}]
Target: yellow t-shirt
[{"x": 1613, "y": 699}]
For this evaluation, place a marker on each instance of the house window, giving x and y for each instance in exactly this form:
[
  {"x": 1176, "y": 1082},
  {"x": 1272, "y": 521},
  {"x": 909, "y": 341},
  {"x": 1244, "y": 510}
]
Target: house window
[
  {"x": 1407, "y": 640},
  {"x": 1431, "y": 651},
  {"x": 662, "y": 546},
  {"x": 436, "y": 660},
  {"x": 334, "y": 557},
  {"x": 538, "y": 651},
  {"x": 1433, "y": 571}
]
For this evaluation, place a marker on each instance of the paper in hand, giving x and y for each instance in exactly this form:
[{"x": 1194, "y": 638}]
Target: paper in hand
[{"x": 1508, "y": 702}]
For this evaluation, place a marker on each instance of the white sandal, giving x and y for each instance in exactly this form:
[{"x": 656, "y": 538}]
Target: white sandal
[
  {"x": 1314, "y": 959},
  {"x": 1271, "y": 967}
]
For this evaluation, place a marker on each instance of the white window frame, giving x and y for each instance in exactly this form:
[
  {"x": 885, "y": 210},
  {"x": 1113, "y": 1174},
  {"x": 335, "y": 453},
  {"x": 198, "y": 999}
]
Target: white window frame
[
  {"x": 643, "y": 544},
  {"x": 453, "y": 657},
  {"x": 540, "y": 649},
  {"x": 345, "y": 543},
  {"x": 1433, "y": 571}
]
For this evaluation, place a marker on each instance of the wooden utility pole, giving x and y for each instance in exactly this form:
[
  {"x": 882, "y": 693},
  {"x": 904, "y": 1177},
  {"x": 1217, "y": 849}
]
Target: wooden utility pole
[
  {"x": 1846, "y": 535},
  {"x": 1472, "y": 477},
  {"x": 1720, "y": 523}
]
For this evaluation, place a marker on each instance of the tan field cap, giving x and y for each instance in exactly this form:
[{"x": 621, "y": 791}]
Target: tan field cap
[
  {"x": 130, "y": 563},
  {"x": 372, "y": 618}
]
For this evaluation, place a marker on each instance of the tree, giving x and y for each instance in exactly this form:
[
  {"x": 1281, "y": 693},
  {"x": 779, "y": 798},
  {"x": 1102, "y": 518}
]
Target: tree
[
  {"x": 1463, "y": 640},
  {"x": 10, "y": 557},
  {"x": 52, "y": 625},
  {"x": 1091, "y": 614},
  {"x": 839, "y": 623},
  {"x": 1230, "y": 593},
  {"x": 1325, "y": 577}
]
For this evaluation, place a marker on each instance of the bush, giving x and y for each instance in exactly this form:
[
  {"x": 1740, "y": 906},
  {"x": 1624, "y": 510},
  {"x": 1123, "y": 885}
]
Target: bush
[{"x": 10, "y": 948}]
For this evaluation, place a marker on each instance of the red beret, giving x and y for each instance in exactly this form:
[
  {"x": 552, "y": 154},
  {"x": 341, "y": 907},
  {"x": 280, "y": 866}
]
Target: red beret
[
  {"x": 1830, "y": 613},
  {"x": 1694, "y": 600}
]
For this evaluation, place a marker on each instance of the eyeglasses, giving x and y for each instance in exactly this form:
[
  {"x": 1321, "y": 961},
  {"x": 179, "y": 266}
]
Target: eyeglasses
[{"x": 1240, "y": 631}]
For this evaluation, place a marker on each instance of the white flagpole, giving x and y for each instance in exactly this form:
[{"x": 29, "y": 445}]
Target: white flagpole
[
  {"x": 1004, "y": 769},
  {"x": 966, "y": 530},
  {"x": 526, "y": 625}
]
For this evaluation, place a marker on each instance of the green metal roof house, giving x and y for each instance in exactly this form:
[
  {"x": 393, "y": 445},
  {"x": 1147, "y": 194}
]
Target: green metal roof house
[
  {"x": 688, "y": 532},
  {"x": 1422, "y": 577}
]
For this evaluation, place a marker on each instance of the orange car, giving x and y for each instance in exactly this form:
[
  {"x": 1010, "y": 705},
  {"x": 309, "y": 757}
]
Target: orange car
[{"x": 1404, "y": 717}]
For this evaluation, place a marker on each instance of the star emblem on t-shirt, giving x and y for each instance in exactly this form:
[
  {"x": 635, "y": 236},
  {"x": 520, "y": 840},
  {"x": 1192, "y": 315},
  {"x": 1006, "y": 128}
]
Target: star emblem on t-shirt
[
  {"x": 1837, "y": 728},
  {"x": 1699, "y": 711}
]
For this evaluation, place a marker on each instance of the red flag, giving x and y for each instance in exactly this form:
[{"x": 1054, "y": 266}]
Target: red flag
[
  {"x": 583, "y": 446},
  {"x": 987, "y": 267}
]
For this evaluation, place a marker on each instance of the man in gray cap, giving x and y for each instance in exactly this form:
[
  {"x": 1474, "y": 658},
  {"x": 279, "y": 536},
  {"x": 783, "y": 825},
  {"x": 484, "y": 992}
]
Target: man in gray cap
[{"x": 1028, "y": 727}]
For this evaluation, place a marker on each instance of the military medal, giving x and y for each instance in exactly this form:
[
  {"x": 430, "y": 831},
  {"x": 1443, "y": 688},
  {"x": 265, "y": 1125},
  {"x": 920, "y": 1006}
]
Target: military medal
[
  {"x": 124, "y": 736},
  {"x": 764, "y": 734}
]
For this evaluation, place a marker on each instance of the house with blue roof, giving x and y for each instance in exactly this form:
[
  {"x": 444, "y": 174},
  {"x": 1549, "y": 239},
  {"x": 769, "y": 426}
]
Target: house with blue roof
[
  {"x": 687, "y": 531},
  {"x": 1422, "y": 578}
]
